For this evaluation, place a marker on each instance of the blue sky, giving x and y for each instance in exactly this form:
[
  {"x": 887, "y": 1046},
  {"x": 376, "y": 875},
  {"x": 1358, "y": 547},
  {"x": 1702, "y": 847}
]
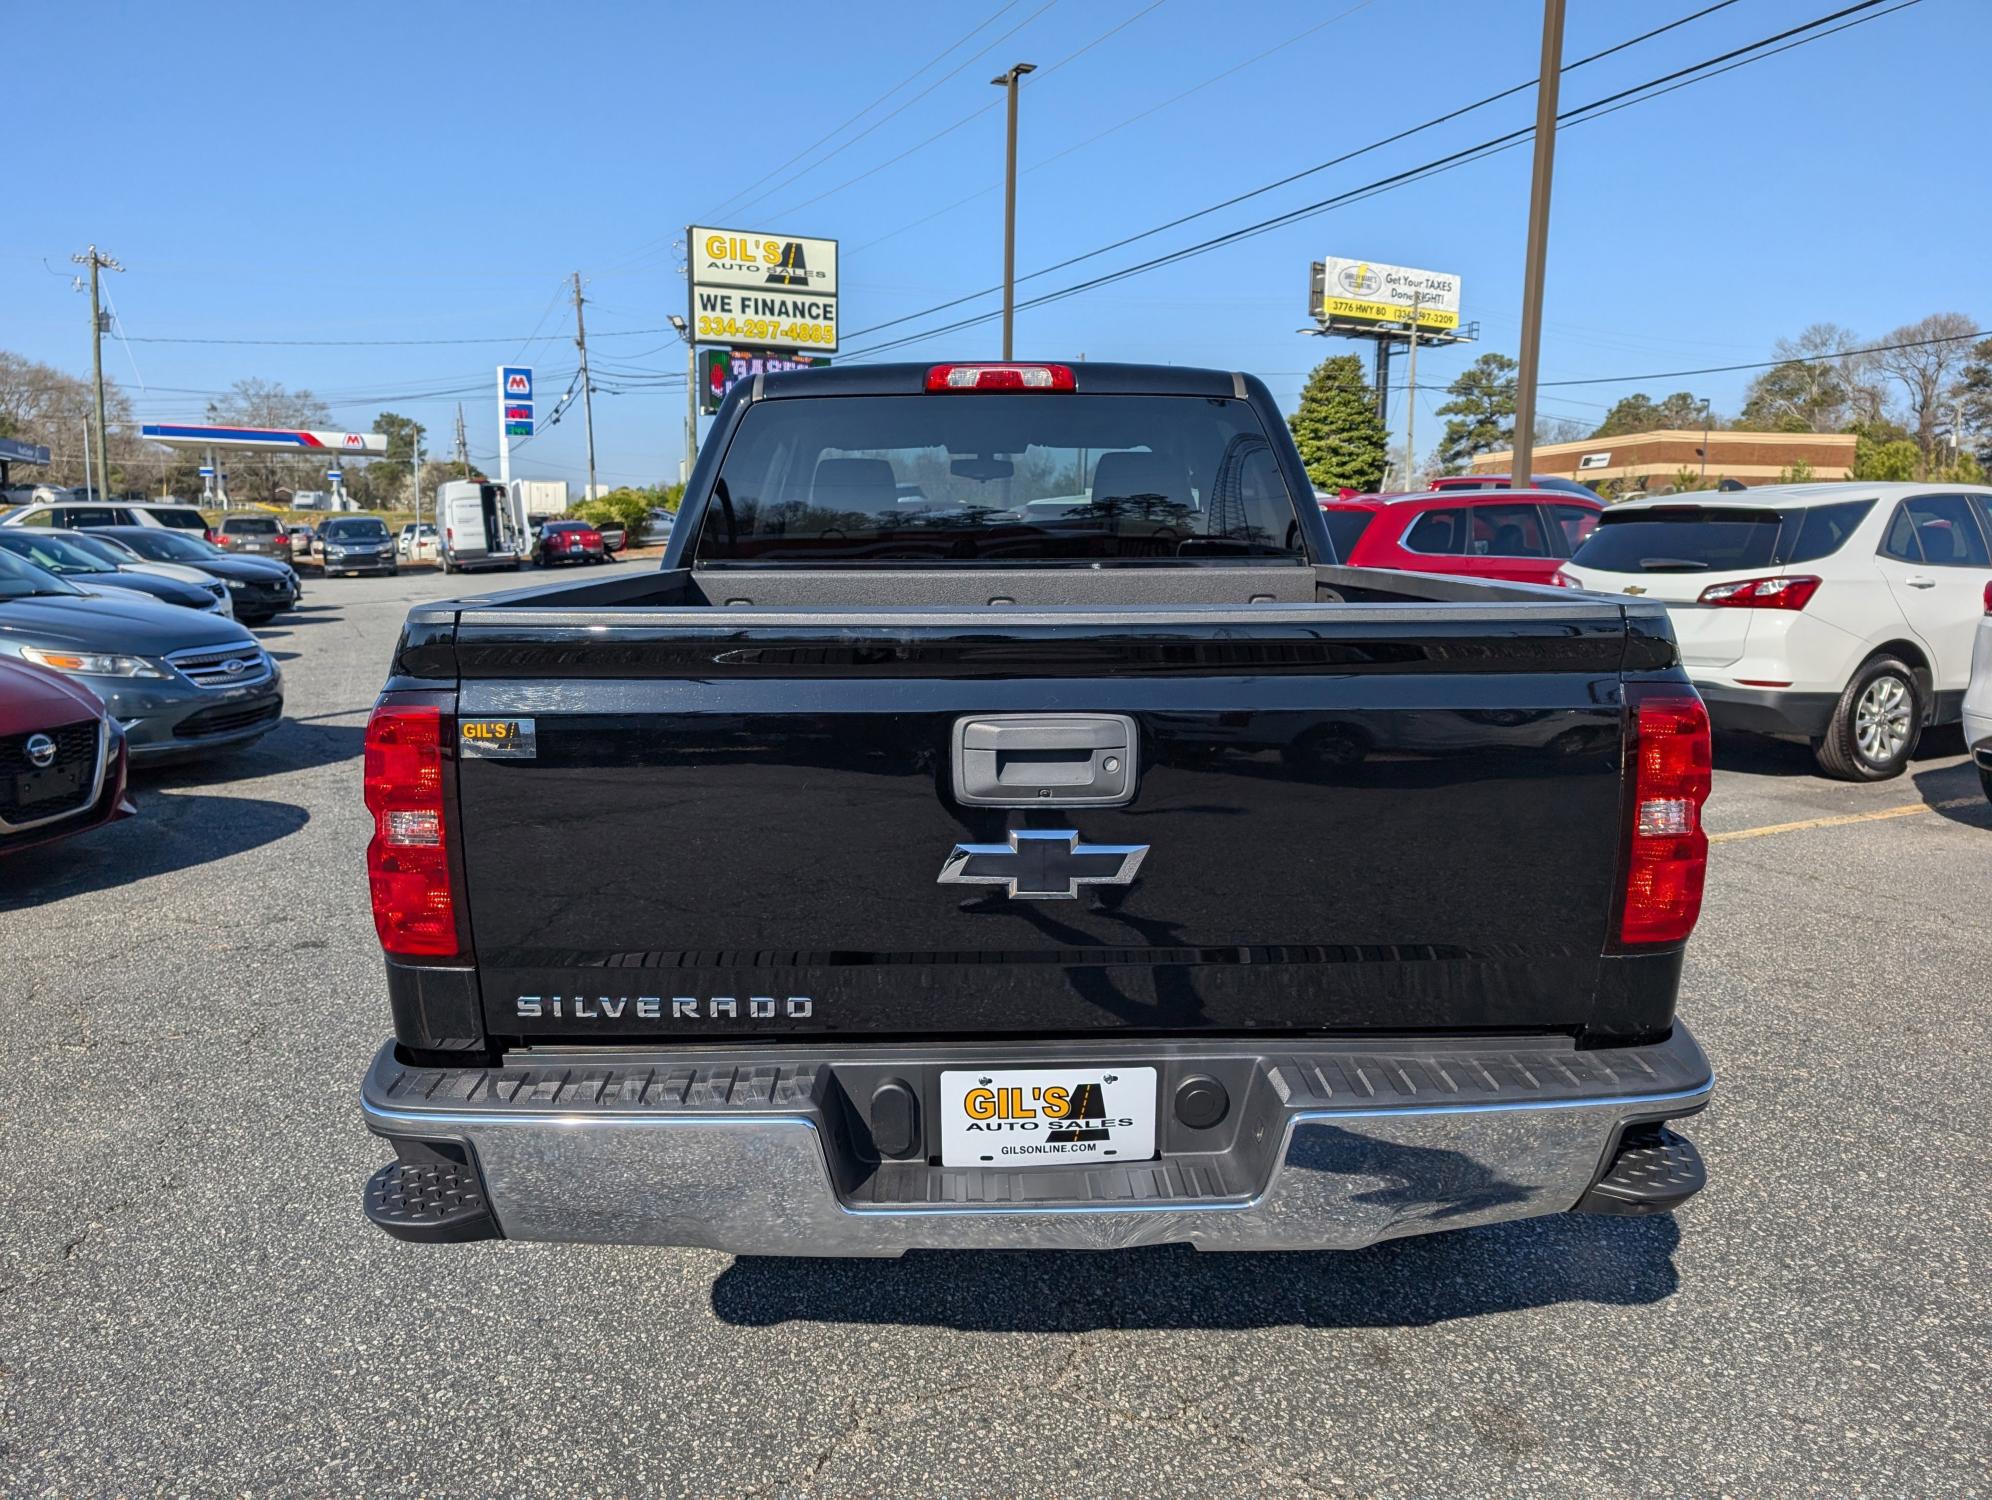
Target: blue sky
[{"x": 397, "y": 172}]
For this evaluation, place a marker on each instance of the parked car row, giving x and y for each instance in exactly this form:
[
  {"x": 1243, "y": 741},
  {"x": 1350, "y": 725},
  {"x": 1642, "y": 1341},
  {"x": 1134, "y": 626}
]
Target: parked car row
[
  {"x": 97, "y": 675},
  {"x": 1849, "y": 616}
]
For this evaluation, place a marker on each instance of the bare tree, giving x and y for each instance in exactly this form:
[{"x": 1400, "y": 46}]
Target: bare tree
[
  {"x": 1928, "y": 371},
  {"x": 268, "y": 403},
  {"x": 41, "y": 404}
]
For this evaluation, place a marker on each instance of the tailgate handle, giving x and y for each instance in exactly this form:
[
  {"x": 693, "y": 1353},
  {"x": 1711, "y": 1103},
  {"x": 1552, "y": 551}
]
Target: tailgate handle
[{"x": 1030, "y": 760}]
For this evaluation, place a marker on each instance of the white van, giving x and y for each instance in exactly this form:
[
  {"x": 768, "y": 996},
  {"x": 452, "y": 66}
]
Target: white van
[{"x": 479, "y": 529}]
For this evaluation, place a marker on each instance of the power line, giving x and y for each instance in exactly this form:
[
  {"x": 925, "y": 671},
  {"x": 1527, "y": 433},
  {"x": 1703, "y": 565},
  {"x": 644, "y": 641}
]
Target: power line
[
  {"x": 617, "y": 333},
  {"x": 1771, "y": 364},
  {"x": 966, "y": 62},
  {"x": 1597, "y": 108},
  {"x": 726, "y": 204},
  {"x": 1292, "y": 177},
  {"x": 966, "y": 119},
  {"x": 1132, "y": 119}
]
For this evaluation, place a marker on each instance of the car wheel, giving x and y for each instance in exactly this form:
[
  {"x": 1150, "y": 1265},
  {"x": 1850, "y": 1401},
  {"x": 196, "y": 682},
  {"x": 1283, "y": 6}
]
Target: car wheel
[
  {"x": 1875, "y": 725},
  {"x": 394, "y": 572},
  {"x": 447, "y": 568}
]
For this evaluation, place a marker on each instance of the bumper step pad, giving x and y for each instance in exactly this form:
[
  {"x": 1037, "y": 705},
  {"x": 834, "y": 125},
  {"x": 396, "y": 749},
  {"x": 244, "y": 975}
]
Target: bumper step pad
[
  {"x": 436, "y": 1199},
  {"x": 1655, "y": 1170}
]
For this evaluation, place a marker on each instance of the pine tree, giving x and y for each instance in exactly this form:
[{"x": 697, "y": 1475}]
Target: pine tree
[{"x": 1341, "y": 439}]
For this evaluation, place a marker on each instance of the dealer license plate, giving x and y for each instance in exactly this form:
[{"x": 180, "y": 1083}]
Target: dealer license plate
[{"x": 1047, "y": 1116}]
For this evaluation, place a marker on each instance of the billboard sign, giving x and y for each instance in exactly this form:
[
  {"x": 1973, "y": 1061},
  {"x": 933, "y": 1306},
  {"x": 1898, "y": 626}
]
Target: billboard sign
[
  {"x": 771, "y": 291},
  {"x": 720, "y": 370},
  {"x": 1368, "y": 291}
]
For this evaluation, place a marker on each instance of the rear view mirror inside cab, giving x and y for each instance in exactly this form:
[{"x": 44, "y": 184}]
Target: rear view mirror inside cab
[{"x": 983, "y": 469}]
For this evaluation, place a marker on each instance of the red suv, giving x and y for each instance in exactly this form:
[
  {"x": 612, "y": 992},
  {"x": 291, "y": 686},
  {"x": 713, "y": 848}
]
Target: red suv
[{"x": 1522, "y": 535}]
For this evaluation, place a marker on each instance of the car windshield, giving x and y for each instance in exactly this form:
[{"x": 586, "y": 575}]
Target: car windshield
[
  {"x": 369, "y": 530},
  {"x": 160, "y": 545},
  {"x": 955, "y": 479},
  {"x": 21, "y": 579},
  {"x": 1716, "y": 538},
  {"x": 102, "y": 547},
  {"x": 60, "y": 557}
]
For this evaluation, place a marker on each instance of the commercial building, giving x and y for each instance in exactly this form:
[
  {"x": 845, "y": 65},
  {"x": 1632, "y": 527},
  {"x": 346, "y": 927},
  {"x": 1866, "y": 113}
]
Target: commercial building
[{"x": 1651, "y": 460}]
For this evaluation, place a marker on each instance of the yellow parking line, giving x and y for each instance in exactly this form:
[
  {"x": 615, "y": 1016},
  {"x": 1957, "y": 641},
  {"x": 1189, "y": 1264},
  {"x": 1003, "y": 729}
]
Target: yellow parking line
[{"x": 1905, "y": 811}]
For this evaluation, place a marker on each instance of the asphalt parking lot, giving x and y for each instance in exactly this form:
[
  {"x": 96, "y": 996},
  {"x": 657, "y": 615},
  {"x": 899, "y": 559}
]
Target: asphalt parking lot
[{"x": 191, "y": 1302}]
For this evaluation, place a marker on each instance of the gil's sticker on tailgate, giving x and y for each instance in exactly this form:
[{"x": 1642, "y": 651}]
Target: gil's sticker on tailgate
[
  {"x": 498, "y": 739},
  {"x": 1046, "y": 1116}
]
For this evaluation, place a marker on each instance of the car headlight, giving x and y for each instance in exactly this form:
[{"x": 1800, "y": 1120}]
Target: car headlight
[
  {"x": 236, "y": 583},
  {"x": 92, "y": 663}
]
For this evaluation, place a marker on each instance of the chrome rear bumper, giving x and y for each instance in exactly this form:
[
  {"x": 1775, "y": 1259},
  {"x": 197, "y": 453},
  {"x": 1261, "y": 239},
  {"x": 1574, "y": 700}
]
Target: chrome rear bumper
[{"x": 771, "y": 1152}]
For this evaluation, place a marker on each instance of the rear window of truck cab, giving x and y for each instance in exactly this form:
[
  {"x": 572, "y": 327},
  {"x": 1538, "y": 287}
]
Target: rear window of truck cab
[{"x": 955, "y": 479}]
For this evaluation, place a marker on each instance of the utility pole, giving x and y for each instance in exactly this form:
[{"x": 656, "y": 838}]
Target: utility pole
[
  {"x": 462, "y": 442},
  {"x": 1411, "y": 397},
  {"x": 1009, "y": 81},
  {"x": 415, "y": 476},
  {"x": 1704, "y": 447},
  {"x": 1522, "y": 470},
  {"x": 97, "y": 261},
  {"x": 587, "y": 386}
]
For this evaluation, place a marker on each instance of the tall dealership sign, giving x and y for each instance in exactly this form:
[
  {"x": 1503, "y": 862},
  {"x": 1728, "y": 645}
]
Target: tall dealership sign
[
  {"x": 762, "y": 291},
  {"x": 515, "y": 413},
  {"x": 1362, "y": 293}
]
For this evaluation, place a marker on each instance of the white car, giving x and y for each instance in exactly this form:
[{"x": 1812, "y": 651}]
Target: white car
[
  {"x": 71, "y": 515},
  {"x": 1978, "y": 698},
  {"x": 417, "y": 543},
  {"x": 1840, "y": 614}
]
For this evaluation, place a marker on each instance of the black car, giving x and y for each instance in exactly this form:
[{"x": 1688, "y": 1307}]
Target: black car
[
  {"x": 87, "y": 570},
  {"x": 258, "y": 589},
  {"x": 356, "y": 544}
]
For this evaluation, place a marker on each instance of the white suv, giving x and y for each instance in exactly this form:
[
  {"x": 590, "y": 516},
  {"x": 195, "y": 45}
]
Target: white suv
[
  {"x": 1841, "y": 614},
  {"x": 1978, "y": 698}
]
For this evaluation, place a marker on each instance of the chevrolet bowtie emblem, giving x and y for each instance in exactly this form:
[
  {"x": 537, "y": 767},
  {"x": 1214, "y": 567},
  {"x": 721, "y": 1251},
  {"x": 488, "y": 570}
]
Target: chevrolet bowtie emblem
[{"x": 1042, "y": 865}]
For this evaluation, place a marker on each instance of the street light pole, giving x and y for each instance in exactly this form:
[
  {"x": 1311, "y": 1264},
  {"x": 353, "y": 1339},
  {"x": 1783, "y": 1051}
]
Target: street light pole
[
  {"x": 1522, "y": 470},
  {"x": 1009, "y": 81},
  {"x": 1705, "y": 421}
]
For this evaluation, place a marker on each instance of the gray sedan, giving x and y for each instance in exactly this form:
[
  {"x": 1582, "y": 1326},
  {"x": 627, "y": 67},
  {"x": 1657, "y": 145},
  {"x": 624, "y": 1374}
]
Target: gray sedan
[{"x": 182, "y": 683}]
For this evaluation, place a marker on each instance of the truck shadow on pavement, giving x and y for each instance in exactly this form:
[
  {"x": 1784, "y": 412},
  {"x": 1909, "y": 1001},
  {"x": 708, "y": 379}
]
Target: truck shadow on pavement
[
  {"x": 176, "y": 832},
  {"x": 1466, "y": 1273}
]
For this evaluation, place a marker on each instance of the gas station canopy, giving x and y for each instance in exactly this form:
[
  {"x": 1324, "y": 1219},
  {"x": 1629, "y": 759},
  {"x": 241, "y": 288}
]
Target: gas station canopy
[{"x": 266, "y": 439}]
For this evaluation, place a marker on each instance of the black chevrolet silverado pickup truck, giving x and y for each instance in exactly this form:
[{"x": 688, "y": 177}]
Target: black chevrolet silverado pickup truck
[{"x": 1002, "y": 823}]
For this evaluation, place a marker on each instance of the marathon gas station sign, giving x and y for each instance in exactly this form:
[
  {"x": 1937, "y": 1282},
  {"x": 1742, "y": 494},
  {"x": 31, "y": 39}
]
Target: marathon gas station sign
[{"x": 763, "y": 291}]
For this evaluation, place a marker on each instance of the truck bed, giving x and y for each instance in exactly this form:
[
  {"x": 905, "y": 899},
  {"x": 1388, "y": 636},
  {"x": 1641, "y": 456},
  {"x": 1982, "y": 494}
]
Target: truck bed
[{"x": 1374, "y": 802}]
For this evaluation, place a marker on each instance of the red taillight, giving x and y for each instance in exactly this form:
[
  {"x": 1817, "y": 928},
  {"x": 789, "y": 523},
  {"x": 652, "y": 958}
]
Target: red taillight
[
  {"x": 1669, "y": 766},
  {"x": 1563, "y": 580},
  {"x": 1763, "y": 593},
  {"x": 1988, "y": 597},
  {"x": 408, "y": 865},
  {"x": 1001, "y": 378}
]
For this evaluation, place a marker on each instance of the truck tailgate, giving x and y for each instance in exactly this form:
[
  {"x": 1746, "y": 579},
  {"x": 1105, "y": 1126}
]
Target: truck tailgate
[{"x": 1353, "y": 818}]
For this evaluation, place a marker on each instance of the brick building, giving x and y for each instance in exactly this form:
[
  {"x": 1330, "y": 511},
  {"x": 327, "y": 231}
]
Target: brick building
[{"x": 1650, "y": 460}]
